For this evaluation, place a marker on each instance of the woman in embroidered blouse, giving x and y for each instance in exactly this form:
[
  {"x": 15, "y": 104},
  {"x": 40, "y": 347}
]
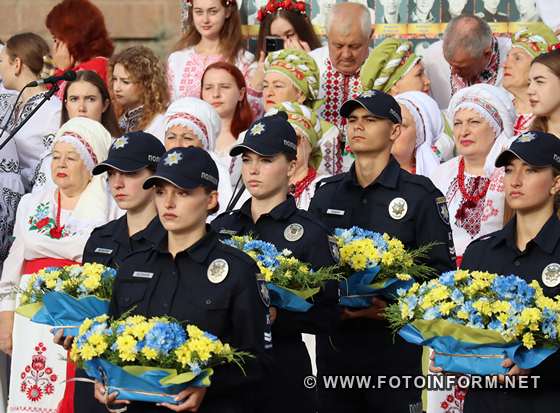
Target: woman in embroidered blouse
[
  {"x": 212, "y": 33},
  {"x": 544, "y": 91},
  {"x": 80, "y": 38},
  {"x": 526, "y": 45},
  {"x": 483, "y": 118},
  {"x": 140, "y": 92},
  {"x": 52, "y": 227},
  {"x": 21, "y": 62},
  {"x": 422, "y": 127},
  {"x": 194, "y": 122},
  {"x": 223, "y": 86}
]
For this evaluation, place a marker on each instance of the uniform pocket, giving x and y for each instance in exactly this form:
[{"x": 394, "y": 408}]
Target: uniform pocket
[{"x": 131, "y": 292}]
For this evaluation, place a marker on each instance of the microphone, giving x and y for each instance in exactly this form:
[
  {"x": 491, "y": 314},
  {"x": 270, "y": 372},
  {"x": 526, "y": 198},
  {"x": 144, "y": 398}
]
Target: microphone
[{"x": 69, "y": 76}]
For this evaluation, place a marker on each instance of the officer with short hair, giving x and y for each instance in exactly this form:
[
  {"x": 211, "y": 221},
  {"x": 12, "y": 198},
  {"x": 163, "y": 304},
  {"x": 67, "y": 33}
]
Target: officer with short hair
[
  {"x": 268, "y": 160},
  {"x": 376, "y": 194},
  {"x": 192, "y": 276}
]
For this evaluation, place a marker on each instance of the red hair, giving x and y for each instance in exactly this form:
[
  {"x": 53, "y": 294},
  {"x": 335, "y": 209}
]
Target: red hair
[
  {"x": 81, "y": 25},
  {"x": 243, "y": 116}
]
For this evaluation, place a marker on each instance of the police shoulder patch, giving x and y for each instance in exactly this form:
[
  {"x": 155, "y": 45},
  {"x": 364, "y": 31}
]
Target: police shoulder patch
[{"x": 443, "y": 212}]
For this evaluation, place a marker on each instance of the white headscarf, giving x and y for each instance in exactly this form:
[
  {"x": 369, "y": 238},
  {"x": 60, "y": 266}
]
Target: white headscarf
[
  {"x": 429, "y": 127},
  {"x": 199, "y": 116},
  {"x": 494, "y": 105},
  {"x": 92, "y": 142}
]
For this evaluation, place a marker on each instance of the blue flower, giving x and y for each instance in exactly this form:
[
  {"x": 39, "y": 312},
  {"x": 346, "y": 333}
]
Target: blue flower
[
  {"x": 457, "y": 296},
  {"x": 496, "y": 325},
  {"x": 447, "y": 278},
  {"x": 432, "y": 313},
  {"x": 165, "y": 337}
]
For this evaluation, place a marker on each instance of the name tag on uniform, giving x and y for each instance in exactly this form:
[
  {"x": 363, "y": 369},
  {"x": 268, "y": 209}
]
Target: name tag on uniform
[
  {"x": 228, "y": 232},
  {"x": 335, "y": 211},
  {"x": 103, "y": 251},
  {"x": 142, "y": 274}
]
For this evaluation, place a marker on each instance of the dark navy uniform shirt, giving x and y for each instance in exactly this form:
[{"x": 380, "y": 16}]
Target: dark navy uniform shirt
[
  {"x": 408, "y": 207},
  {"x": 340, "y": 202},
  {"x": 110, "y": 244},
  {"x": 498, "y": 253},
  {"x": 153, "y": 283},
  {"x": 310, "y": 243}
]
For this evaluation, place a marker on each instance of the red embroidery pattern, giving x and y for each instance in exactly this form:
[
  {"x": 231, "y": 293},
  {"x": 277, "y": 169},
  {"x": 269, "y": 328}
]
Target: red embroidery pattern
[
  {"x": 523, "y": 123},
  {"x": 471, "y": 218},
  {"x": 338, "y": 89},
  {"x": 453, "y": 403},
  {"x": 37, "y": 378}
]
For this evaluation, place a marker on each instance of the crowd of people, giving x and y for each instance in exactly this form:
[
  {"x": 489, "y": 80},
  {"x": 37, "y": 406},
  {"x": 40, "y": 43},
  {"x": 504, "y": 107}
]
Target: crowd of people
[{"x": 145, "y": 166}]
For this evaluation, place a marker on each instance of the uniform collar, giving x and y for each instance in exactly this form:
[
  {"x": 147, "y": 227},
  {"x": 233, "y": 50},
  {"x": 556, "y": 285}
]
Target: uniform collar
[
  {"x": 388, "y": 178},
  {"x": 199, "y": 251},
  {"x": 546, "y": 239},
  {"x": 278, "y": 213},
  {"x": 153, "y": 232},
  {"x": 118, "y": 232}
]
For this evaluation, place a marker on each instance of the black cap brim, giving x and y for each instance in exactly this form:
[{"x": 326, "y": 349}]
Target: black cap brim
[
  {"x": 241, "y": 148},
  {"x": 348, "y": 106},
  {"x": 108, "y": 164},
  {"x": 179, "y": 183},
  {"x": 505, "y": 156}
]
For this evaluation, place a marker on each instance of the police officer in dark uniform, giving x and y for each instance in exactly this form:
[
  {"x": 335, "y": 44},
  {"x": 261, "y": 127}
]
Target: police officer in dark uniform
[
  {"x": 269, "y": 152},
  {"x": 378, "y": 195},
  {"x": 196, "y": 279},
  {"x": 132, "y": 159},
  {"x": 529, "y": 247}
]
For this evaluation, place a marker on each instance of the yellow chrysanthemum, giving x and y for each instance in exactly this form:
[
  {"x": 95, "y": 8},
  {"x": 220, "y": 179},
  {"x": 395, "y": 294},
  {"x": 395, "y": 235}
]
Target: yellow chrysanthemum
[{"x": 529, "y": 340}]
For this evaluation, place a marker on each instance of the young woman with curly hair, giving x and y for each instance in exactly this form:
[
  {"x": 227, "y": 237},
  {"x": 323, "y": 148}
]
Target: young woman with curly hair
[
  {"x": 80, "y": 38},
  {"x": 139, "y": 90}
]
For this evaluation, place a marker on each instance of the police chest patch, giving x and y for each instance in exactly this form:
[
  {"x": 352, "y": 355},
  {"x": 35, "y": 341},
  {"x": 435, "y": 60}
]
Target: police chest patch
[
  {"x": 263, "y": 290},
  {"x": 551, "y": 275},
  {"x": 217, "y": 271},
  {"x": 398, "y": 208},
  {"x": 293, "y": 232},
  {"x": 103, "y": 251},
  {"x": 441, "y": 204}
]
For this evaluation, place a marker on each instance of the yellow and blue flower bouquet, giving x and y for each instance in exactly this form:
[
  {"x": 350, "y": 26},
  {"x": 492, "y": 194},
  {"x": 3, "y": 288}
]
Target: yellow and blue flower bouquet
[
  {"x": 376, "y": 265},
  {"x": 149, "y": 359},
  {"x": 291, "y": 283},
  {"x": 474, "y": 320},
  {"x": 63, "y": 297}
]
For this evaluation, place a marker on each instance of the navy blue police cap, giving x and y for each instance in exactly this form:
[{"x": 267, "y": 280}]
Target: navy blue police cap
[
  {"x": 539, "y": 149},
  {"x": 269, "y": 136},
  {"x": 186, "y": 168},
  {"x": 132, "y": 152},
  {"x": 377, "y": 103}
]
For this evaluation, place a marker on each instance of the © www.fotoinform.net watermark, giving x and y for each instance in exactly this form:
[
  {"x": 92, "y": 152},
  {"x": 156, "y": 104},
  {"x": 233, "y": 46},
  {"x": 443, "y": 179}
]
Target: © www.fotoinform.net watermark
[{"x": 429, "y": 382}]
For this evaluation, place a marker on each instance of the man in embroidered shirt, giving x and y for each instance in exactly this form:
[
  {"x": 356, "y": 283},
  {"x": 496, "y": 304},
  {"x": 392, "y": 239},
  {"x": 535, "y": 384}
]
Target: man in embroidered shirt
[
  {"x": 468, "y": 54},
  {"x": 339, "y": 64}
]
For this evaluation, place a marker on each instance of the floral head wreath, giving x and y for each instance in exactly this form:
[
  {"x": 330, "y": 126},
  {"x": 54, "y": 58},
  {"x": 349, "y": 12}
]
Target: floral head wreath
[
  {"x": 274, "y": 5},
  {"x": 189, "y": 3}
]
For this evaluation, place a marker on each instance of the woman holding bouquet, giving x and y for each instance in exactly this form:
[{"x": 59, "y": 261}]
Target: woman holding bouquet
[
  {"x": 268, "y": 162},
  {"x": 52, "y": 227},
  {"x": 192, "y": 276},
  {"x": 528, "y": 246}
]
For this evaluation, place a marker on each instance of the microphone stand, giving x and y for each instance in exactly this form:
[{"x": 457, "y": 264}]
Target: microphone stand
[{"x": 49, "y": 95}]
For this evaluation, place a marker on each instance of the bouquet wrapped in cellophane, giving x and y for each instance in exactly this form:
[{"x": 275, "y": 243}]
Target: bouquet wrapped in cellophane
[
  {"x": 149, "y": 359},
  {"x": 376, "y": 265},
  {"x": 474, "y": 320},
  {"x": 291, "y": 283},
  {"x": 63, "y": 297}
]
